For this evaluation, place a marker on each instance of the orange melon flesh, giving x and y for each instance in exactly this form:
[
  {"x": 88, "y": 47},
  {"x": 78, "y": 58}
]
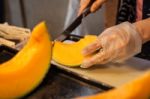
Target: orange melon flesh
[
  {"x": 70, "y": 54},
  {"x": 26, "y": 70},
  {"x": 136, "y": 89}
]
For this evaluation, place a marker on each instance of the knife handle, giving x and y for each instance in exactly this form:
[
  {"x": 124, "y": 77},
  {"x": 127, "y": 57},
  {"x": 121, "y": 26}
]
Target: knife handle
[
  {"x": 78, "y": 20},
  {"x": 87, "y": 10}
]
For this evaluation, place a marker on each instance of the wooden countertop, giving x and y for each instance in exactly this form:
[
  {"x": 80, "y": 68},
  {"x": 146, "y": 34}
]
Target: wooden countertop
[{"x": 112, "y": 74}]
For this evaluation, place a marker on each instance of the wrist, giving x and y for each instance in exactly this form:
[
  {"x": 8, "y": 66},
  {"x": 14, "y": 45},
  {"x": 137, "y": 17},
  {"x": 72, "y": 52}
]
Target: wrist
[{"x": 142, "y": 28}]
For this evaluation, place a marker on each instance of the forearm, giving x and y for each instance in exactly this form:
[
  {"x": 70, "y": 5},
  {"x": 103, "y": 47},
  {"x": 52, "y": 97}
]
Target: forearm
[{"x": 143, "y": 27}]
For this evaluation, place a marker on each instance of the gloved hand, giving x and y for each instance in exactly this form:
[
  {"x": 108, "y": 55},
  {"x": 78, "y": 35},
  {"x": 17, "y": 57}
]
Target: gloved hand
[
  {"x": 116, "y": 44},
  {"x": 96, "y": 5}
]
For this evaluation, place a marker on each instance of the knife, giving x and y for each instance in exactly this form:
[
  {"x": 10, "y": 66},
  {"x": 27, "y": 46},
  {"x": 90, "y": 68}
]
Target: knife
[{"x": 67, "y": 32}]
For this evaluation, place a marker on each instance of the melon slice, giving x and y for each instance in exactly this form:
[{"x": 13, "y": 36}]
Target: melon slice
[
  {"x": 25, "y": 71},
  {"x": 70, "y": 54}
]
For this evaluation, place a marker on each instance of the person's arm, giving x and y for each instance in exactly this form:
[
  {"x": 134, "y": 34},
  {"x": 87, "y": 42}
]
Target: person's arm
[
  {"x": 143, "y": 27},
  {"x": 117, "y": 43},
  {"x": 96, "y": 5}
]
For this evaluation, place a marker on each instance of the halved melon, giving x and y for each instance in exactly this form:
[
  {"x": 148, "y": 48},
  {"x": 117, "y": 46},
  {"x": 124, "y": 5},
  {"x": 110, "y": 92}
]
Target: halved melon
[
  {"x": 69, "y": 54},
  {"x": 26, "y": 70},
  {"x": 136, "y": 89}
]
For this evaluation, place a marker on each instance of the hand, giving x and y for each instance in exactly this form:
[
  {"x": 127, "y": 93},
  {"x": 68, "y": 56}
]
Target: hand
[
  {"x": 96, "y": 5},
  {"x": 116, "y": 44}
]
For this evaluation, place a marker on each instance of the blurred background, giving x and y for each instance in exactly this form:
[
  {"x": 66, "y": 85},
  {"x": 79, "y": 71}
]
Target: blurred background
[{"x": 27, "y": 13}]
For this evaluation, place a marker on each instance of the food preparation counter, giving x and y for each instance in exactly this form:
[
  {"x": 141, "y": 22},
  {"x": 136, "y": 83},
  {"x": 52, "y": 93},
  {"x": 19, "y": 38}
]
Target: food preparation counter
[{"x": 62, "y": 82}]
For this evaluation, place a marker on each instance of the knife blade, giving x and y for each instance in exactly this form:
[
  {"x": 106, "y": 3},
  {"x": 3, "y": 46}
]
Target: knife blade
[{"x": 62, "y": 36}]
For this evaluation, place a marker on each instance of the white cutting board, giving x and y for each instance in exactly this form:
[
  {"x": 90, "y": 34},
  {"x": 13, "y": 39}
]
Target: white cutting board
[{"x": 112, "y": 74}]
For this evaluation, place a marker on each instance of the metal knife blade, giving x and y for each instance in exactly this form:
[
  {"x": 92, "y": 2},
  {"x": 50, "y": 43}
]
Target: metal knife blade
[{"x": 62, "y": 36}]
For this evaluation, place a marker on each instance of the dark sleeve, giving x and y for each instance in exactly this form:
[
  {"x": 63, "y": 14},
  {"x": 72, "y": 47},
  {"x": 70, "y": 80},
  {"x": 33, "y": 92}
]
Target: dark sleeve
[{"x": 126, "y": 11}]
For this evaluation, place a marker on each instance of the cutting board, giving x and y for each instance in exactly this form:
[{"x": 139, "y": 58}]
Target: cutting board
[{"x": 112, "y": 74}]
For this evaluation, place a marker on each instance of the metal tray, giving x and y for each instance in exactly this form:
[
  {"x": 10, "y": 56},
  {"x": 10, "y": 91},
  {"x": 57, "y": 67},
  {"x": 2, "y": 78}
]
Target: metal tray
[{"x": 58, "y": 83}]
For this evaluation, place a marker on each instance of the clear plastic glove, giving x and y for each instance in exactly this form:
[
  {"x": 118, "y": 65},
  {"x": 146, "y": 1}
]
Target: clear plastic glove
[
  {"x": 96, "y": 5},
  {"x": 116, "y": 44}
]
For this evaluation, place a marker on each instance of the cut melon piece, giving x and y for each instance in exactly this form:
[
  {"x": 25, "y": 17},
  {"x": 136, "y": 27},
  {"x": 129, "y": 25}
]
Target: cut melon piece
[
  {"x": 26, "y": 70},
  {"x": 70, "y": 54}
]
